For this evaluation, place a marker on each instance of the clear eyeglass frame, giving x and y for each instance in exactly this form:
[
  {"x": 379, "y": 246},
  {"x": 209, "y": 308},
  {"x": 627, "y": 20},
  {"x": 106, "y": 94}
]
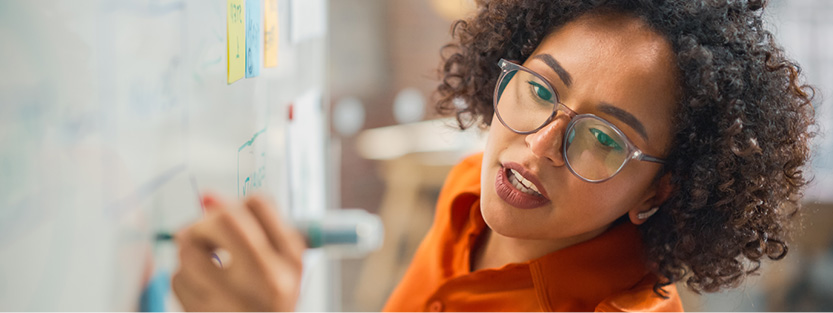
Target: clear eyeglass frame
[{"x": 633, "y": 152}]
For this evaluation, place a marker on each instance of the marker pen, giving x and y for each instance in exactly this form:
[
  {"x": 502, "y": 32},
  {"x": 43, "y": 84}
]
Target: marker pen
[{"x": 345, "y": 232}]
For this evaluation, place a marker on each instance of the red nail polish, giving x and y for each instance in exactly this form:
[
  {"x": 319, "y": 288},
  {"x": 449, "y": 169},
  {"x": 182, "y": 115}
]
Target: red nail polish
[{"x": 208, "y": 200}]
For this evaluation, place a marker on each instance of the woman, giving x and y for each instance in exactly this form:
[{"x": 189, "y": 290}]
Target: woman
[{"x": 637, "y": 144}]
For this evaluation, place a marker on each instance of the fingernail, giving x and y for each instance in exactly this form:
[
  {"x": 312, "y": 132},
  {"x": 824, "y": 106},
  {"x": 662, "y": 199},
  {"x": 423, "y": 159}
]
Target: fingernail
[{"x": 208, "y": 200}]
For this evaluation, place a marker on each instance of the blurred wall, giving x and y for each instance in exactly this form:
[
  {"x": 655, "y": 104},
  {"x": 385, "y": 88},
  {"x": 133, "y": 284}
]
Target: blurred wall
[{"x": 378, "y": 48}]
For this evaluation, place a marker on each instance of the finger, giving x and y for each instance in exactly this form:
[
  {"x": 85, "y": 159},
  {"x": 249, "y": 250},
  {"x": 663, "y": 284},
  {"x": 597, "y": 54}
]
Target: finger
[
  {"x": 190, "y": 295},
  {"x": 234, "y": 230},
  {"x": 196, "y": 257},
  {"x": 196, "y": 278},
  {"x": 214, "y": 298},
  {"x": 212, "y": 202},
  {"x": 281, "y": 235}
]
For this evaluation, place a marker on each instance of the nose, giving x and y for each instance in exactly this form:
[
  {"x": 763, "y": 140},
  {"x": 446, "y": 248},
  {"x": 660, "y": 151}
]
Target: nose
[{"x": 547, "y": 141}]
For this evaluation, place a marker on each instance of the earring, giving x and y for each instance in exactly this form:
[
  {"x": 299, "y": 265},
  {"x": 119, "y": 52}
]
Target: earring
[{"x": 645, "y": 215}]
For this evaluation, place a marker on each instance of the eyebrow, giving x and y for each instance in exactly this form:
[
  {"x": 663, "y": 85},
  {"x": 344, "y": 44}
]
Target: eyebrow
[
  {"x": 562, "y": 73},
  {"x": 625, "y": 117}
]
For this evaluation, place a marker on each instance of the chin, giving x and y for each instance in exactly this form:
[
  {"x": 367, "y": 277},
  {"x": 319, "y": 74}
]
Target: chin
[
  {"x": 504, "y": 220},
  {"x": 501, "y": 217}
]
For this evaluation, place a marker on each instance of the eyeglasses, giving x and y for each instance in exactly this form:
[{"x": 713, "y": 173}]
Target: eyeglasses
[{"x": 594, "y": 149}]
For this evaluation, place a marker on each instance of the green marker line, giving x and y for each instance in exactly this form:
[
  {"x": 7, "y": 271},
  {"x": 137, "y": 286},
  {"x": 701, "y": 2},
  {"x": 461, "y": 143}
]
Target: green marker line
[{"x": 249, "y": 143}]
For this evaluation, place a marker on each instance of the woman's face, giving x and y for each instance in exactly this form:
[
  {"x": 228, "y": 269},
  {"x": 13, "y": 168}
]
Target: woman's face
[{"x": 609, "y": 65}]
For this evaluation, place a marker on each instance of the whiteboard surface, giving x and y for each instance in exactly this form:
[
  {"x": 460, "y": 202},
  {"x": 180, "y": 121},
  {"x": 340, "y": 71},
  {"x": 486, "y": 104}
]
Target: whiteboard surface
[{"x": 112, "y": 115}]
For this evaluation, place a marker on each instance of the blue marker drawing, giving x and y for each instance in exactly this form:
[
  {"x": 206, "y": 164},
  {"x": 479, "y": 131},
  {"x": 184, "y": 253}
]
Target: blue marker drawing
[
  {"x": 254, "y": 37},
  {"x": 119, "y": 207}
]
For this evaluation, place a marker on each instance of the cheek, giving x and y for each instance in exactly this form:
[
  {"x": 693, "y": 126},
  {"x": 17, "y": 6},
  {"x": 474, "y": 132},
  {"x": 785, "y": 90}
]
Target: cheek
[
  {"x": 597, "y": 203},
  {"x": 495, "y": 143},
  {"x": 613, "y": 198},
  {"x": 487, "y": 187},
  {"x": 499, "y": 139}
]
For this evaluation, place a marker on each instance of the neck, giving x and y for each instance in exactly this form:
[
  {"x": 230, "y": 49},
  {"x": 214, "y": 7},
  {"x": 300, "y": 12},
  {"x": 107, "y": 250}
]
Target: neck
[{"x": 495, "y": 250}]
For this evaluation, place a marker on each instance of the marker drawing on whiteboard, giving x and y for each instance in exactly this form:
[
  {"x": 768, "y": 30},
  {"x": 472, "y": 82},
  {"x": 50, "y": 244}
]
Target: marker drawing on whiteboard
[{"x": 197, "y": 192}]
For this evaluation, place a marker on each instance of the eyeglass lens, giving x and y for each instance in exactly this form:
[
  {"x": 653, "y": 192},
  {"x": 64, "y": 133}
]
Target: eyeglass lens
[{"x": 592, "y": 149}]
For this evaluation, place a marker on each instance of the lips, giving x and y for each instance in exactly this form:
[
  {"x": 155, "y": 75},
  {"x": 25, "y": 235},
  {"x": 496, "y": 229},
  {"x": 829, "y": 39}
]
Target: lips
[{"x": 513, "y": 195}]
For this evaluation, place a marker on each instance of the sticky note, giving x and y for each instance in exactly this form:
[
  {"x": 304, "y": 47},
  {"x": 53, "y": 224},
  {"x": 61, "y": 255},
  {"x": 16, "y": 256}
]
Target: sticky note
[
  {"x": 236, "y": 42},
  {"x": 254, "y": 37},
  {"x": 270, "y": 34}
]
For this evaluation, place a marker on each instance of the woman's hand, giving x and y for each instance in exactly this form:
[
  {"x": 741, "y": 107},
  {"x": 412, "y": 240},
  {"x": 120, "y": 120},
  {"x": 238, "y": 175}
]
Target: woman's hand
[{"x": 264, "y": 270}]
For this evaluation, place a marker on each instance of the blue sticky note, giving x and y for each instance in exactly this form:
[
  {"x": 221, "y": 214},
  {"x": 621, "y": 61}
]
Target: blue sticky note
[{"x": 254, "y": 37}]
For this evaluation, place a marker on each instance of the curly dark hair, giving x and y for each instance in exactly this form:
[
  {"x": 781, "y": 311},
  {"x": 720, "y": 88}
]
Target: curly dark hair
[{"x": 743, "y": 124}]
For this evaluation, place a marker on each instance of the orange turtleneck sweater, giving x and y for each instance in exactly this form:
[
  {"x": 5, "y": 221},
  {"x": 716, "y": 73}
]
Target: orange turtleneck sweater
[{"x": 606, "y": 273}]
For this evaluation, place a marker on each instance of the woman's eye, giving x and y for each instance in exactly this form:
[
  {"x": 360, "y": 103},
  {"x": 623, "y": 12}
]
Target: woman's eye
[
  {"x": 604, "y": 139},
  {"x": 541, "y": 92}
]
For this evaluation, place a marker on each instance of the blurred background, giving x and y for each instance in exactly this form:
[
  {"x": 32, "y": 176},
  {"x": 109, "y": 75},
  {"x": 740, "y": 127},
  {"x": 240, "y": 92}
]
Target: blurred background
[{"x": 392, "y": 152}]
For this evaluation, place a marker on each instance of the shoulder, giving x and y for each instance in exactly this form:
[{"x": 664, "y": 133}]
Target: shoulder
[{"x": 641, "y": 298}]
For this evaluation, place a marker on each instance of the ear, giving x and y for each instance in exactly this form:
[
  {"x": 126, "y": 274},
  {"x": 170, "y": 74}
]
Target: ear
[{"x": 661, "y": 192}]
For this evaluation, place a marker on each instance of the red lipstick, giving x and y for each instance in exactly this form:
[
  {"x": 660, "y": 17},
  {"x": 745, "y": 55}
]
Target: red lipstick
[{"x": 512, "y": 195}]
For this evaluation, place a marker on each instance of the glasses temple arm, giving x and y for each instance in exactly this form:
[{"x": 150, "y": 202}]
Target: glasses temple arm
[{"x": 645, "y": 157}]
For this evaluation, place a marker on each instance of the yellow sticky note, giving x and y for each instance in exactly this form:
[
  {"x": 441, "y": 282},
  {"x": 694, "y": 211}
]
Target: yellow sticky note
[
  {"x": 236, "y": 44},
  {"x": 270, "y": 35}
]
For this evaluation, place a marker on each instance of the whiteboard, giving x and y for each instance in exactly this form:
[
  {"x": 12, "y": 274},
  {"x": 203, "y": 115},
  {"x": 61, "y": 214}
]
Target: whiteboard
[{"x": 113, "y": 114}]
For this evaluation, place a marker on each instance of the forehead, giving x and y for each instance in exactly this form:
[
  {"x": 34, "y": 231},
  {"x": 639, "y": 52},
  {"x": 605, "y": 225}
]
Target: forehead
[
  {"x": 614, "y": 35},
  {"x": 616, "y": 59}
]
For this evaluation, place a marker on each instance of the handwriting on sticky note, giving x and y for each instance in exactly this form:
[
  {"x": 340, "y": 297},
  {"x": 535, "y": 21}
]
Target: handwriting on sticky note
[
  {"x": 270, "y": 27},
  {"x": 254, "y": 37},
  {"x": 236, "y": 42}
]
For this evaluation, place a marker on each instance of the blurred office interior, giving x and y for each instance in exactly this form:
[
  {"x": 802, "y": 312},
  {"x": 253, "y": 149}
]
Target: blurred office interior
[{"x": 393, "y": 151}]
